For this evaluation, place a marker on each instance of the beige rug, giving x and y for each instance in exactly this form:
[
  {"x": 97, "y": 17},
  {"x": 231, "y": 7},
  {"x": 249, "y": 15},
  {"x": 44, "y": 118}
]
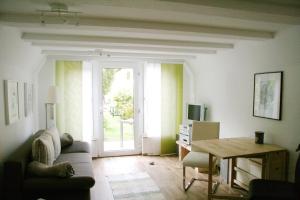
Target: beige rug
[{"x": 134, "y": 186}]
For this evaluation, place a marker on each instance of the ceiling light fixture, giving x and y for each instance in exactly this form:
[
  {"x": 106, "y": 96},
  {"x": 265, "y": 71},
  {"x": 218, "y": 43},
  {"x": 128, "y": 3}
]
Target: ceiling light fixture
[
  {"x": 101, "y": 53},
  {"x": 61, "y": 11}
]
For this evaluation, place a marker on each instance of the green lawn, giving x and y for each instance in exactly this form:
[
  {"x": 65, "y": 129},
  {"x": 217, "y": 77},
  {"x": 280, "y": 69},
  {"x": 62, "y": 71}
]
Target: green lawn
[{"x": 112, "y": 128}]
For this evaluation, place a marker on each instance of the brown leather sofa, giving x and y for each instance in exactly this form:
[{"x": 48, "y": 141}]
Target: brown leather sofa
[{"x": 19, "y": 185}]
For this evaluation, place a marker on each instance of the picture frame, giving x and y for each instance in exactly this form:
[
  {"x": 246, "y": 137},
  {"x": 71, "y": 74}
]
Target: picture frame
[
  {"x": 21, "y": 96},
  {"x": 28, "y": 93},
  {"x": 11, "y": 101},
  {"x": 267, "y": 95}
]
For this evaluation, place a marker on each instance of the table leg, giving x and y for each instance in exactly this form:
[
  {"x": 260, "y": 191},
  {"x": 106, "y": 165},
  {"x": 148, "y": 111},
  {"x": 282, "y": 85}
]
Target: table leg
[
  {"x": 233, "y": 173},
  {"x": 210, "y": 171},
  {"x": 182, "y": 152}
]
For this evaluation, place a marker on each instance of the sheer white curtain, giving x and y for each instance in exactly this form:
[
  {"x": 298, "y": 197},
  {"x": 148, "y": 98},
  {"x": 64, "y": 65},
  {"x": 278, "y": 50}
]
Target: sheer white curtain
[
  {"x": 87, "y": 102},
  {"x": 152, "y": 100}
]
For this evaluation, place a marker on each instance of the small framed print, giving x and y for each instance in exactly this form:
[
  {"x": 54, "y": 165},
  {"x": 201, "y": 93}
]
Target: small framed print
[
  {"x": 267, "y": 97},
  {"x": 28, "y": 93},
  {"x": 11, "y": 101},
  {"x": 21, "y": 100}
]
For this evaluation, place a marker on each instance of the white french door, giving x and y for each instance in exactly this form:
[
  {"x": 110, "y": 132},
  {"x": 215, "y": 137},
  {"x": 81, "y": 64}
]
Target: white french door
[{"x": 119, "y": 109}]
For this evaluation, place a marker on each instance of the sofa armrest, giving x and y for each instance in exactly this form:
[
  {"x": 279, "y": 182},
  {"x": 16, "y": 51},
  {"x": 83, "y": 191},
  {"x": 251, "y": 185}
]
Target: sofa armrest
[
  {"x": 13, "y": 180},
  {"x": 260, "y": 189},
  {"x": 58, "y": 184},
  {"x": 77, "y": 147}
]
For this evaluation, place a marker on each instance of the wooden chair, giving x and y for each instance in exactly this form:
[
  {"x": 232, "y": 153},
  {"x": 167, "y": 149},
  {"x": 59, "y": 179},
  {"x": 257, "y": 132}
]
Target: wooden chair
[{"x": 195, "y": 159}]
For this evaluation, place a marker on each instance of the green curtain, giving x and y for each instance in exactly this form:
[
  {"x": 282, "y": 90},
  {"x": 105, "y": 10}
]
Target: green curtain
[
  {"x": 171, "y": 105},
  {"x": 68, "y": 77}
]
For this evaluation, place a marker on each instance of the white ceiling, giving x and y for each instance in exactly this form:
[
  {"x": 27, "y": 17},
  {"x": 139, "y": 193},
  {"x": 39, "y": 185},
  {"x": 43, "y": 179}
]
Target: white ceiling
[{"x": 148, "y": 22}]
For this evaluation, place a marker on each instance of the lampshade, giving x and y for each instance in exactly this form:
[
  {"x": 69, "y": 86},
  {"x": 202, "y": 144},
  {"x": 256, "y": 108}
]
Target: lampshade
[{"x": 53, "y": 95}]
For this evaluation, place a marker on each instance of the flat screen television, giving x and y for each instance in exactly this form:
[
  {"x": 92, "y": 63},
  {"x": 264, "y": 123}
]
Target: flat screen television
[{"x": 196, "y": 112}]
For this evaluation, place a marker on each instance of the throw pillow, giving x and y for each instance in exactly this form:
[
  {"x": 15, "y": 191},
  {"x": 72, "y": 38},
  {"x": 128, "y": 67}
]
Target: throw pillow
[
  {"x": 66, "y": 140},
  {"x": 56, "y": 140},
  {"x": 62, "y": 170},
  {"x": 43, "y": 149}
]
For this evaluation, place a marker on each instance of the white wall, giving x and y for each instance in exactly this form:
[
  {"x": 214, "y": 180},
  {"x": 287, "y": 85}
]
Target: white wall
[
  {"x": 188, "y": 88},
  {"x": 225, "y": 83},
  {"x": 45, "y": 78},
  {"x": 17, "y": 62}
]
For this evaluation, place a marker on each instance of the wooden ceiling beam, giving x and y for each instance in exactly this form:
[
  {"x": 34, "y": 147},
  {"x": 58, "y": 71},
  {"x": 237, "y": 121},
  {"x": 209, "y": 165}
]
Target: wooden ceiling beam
[
  {"x": 123, "y": 41},
  {"x": 116, "y": 54},
  {"x": 45, "y": 45},
  {"x": 139, "y": 26}
]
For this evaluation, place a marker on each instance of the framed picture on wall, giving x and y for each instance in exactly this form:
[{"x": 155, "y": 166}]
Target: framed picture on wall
[
  {"x": 267, "y": 97},
  {"x": 28, "y": 93},
  {"x": 21, "y": 100},
  {"x": 11, "y": 101}
]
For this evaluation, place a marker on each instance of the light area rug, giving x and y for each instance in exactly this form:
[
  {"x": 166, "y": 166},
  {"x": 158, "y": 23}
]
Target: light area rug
[{"x": 134, "y": 186}]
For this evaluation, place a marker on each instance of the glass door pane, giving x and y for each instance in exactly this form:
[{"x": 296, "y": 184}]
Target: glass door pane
[{"x": 118, "y": 109}]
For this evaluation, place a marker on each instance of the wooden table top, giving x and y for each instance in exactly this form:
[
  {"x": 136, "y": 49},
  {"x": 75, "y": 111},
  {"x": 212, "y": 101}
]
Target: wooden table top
[
  {"x": 188, "y": 147},
  {"x": 234, "y": 147}
]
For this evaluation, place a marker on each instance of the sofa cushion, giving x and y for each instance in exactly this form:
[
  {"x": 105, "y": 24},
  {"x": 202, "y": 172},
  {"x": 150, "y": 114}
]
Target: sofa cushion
[
  {"x": 77, "y": 147},
  {"x": 43, "y": 149},
  {"x": 82, "y": 179},
  {"x": 56, "y": 140},
  {"x": 66, "y": 140},
  {"x": 73, "y": 158}
]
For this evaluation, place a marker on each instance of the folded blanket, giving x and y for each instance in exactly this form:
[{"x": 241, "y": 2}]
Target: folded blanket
[{"x": 63, "y": 170}]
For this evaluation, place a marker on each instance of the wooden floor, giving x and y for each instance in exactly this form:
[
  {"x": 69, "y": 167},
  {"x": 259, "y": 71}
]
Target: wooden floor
[{"x": 166, "y": 172}]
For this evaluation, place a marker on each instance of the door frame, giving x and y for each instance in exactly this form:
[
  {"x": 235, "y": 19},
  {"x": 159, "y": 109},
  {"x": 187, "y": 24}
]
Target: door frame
[{"x": 138, "y": 99}]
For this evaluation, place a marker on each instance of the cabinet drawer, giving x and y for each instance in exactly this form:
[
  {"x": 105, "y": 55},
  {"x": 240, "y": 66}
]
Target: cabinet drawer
[
  {"x": 244, "y": 177},
  {"x": 250, "y": 166},
  {"x": 276, "y": 166},
  {"x": 184, "y": 138}
]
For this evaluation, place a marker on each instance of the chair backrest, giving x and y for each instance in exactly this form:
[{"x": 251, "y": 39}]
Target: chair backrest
[{"x": 205, "y": 130}]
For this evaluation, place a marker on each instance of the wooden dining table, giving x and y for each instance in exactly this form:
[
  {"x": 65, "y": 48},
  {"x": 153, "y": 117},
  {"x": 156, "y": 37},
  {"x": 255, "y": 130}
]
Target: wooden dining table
[{"x": 231, "y": 148}]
